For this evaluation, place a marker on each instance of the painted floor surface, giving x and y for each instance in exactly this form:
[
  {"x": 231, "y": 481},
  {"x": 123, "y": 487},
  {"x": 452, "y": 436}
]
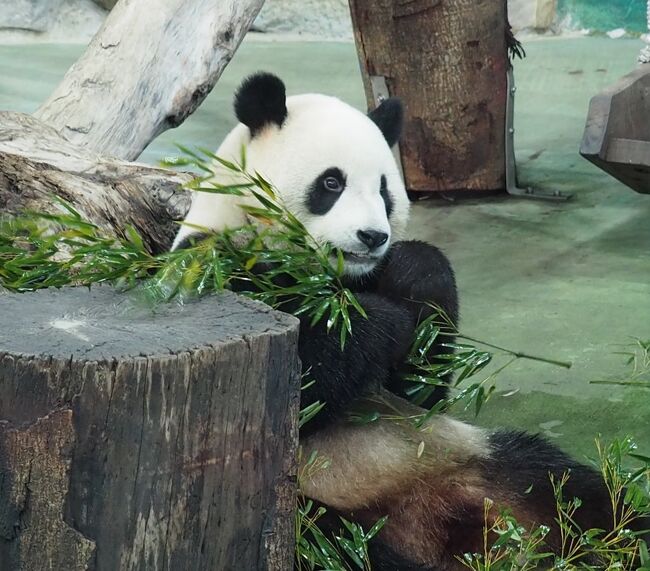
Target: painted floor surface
[{"x": 570, "y": 281}]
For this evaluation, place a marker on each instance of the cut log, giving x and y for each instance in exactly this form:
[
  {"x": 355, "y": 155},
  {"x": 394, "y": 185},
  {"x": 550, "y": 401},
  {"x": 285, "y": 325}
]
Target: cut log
[
  {"x": 617, "y": 134},
  {"x": 148, "y": 68},
  {"x": 36, "y": 164},
  {"x": 448, "y": 61},
  {"x": 139, "y": 439}
]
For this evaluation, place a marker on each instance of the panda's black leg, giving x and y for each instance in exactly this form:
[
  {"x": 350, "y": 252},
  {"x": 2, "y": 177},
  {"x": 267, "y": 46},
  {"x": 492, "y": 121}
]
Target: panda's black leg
[{"x": 418, "y": 276}]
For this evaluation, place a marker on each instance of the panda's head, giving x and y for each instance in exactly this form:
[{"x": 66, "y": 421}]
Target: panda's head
[{"x": 331, "y": 165}]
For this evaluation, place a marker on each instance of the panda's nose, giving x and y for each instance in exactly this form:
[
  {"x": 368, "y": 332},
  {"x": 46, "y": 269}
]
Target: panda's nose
[{"x": 372, "y": 238}]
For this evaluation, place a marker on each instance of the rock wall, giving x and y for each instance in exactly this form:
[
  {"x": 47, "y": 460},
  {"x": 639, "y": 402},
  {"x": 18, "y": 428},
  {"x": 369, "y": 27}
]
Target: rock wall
[
  {"x": 78, "y": 20},
  {"x": 532, "y": 14},
  {"x": 51, "y": 20},
  {"x": 319, "y": 18}
]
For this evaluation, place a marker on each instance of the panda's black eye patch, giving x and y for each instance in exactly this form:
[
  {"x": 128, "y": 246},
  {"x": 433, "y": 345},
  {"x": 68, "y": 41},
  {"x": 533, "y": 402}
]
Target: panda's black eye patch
[
  {"x": 383, "y": 190},
  {"x": 325, "y": 190}
]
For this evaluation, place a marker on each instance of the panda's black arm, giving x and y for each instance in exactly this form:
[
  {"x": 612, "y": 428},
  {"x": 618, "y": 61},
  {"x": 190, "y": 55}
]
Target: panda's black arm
[
  {"x": 336, "y": 375},
  {"x": 377, "y": 345},
  {"x": 417, "y": 276}
]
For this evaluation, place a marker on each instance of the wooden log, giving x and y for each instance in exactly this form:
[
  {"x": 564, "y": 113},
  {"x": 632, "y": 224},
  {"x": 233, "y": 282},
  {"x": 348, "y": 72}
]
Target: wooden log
[
  {"x": 447, "y": 59},
  {"x": 150, "y": 66},
  {"x": 36, "y": 164},
  {"x": 617, "y": 133},
  {"x": 139, "y": 439}
]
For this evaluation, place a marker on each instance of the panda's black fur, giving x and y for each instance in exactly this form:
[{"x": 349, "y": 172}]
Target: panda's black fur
[{"x": 435, "y": 504}]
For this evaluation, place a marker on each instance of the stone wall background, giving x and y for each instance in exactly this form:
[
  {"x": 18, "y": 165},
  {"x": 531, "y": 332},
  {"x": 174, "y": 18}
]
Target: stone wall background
[
  {"x": 51, "y": 20},
  {"x": 78, "y": 20}
]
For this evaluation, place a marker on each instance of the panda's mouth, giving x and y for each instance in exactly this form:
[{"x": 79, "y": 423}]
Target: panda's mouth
[{"x": 358, "y": 258}]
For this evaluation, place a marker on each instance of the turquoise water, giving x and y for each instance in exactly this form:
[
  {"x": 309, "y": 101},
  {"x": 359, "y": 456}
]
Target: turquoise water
[{"x": 606, "y": 14}]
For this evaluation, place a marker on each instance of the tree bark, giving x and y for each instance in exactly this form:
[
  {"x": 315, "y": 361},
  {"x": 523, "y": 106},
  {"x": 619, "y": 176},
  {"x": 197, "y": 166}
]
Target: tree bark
[
  {"x": 447, "y": 59},
  {"x": 36, "y": 164},
  {"x": 134, "y": 439},
  {"x": 147, "y": 69}
]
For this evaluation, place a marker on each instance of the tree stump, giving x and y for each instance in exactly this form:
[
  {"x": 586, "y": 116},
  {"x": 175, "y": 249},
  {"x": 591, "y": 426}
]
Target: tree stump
[
  {"x": 447, "y": 59},
  {"x": 133, "y": 438}
]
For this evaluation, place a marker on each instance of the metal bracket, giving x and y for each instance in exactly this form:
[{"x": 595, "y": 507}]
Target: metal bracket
[
  {"x": 379, "y": 93},
  {"x": 511, "y": 165}
]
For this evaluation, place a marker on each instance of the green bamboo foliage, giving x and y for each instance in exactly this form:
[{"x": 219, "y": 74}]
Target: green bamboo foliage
[{"x": 616, "y": 548}]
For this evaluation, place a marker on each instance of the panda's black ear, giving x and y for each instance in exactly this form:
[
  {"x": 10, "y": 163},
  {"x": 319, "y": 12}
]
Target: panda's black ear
[
  {"x": 389, "y": 117},
  {"x": 261, "y": 100}
]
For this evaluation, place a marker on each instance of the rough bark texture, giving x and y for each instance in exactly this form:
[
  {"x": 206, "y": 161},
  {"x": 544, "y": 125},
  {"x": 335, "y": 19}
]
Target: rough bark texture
[
  {"x": 148, "y": 68},
  {"x": 34, "y": 476},
  {"x": 140, "y": 439},
  {"x": 36, "y": 163},
  {"x": 447, "y": 59},
  {"x": 617, "y": 134}
]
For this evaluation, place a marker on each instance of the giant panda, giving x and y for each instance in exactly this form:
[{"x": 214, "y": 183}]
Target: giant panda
[{"x": 333, "y": 167}]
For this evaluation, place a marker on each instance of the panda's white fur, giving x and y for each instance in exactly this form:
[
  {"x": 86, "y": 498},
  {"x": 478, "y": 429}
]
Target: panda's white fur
[
  {"x": 319, "y": 132},
  {"x": 431, "y": 481}
]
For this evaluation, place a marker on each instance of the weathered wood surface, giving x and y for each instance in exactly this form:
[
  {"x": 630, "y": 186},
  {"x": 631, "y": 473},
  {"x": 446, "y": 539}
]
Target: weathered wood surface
[
  {"x": 617, "y": 133},
  {"x": 447, "y": 59},
  {"x": 34, "y": 475},
  {"x": 150, "y": 66},
  {"x": 36, "y": 163},
  {"x": 139, "y": 439}
]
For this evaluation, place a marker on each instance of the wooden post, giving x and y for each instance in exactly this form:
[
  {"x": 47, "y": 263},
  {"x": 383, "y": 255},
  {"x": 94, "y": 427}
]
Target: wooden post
[
  {"x": 447, "y": 59},
  {"x": 134, "y": 439}
]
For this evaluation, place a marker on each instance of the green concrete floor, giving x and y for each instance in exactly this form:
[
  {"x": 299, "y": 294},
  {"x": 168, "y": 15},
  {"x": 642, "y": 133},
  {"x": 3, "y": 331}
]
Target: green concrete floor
[{"x": 570, "y": 281}]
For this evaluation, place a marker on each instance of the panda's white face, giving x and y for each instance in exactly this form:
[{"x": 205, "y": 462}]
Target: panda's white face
[
  {"x": 334, "y": 170},
  {"x": 332, "y": 167}
]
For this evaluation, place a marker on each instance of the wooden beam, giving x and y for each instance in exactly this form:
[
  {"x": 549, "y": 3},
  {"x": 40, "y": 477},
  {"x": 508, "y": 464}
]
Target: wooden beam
[
  {"x": 617, "y": 132},
  {"x": 36, "y": 163},
  {"x": 148, "y": 68}
]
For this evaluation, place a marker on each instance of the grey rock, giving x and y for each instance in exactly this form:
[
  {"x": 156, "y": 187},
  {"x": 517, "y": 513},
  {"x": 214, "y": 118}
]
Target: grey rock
[
  {"x": 322, "y": 18},
  {"x": 32, "y": 15},
  {"x": 106, "y": 4}
]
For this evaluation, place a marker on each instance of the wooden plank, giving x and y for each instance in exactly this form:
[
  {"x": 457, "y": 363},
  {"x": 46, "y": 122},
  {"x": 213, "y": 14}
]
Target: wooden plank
[
  {"x": 447, "y": 60},
  {"x": 180, "y": 443},
  {"x": 617, "y": 131},
  {"x": 629, "y": 151}
]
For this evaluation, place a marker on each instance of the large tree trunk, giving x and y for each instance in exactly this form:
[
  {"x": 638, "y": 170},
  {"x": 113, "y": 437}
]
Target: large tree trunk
[
  {"x": 148, "y": 68},
  {"x": 133, "y": 440},
  {"x": 447, "y": 59}
]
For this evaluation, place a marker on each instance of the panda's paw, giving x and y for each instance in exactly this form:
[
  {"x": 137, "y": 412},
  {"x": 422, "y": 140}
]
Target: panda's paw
[{"x": 418, "y": 273}]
